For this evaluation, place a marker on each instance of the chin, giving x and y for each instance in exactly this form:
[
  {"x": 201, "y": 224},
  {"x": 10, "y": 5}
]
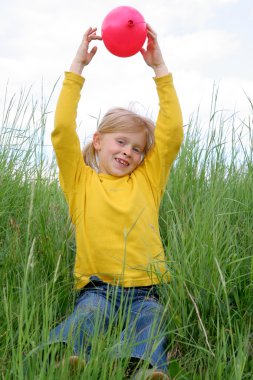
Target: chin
[
  {"x": 117, "y": 173},
  {"x": 120, "y": 174}
]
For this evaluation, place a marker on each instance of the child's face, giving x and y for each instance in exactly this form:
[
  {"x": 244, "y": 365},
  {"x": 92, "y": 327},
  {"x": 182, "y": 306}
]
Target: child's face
[{"x": 119, "y": 153}]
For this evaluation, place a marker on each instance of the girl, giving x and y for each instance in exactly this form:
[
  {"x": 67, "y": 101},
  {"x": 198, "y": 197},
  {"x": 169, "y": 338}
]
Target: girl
[{"x": 114, "y": 189}]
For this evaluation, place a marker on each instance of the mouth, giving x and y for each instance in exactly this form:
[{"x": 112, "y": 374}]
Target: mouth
[{"x": 121, "y": 161}]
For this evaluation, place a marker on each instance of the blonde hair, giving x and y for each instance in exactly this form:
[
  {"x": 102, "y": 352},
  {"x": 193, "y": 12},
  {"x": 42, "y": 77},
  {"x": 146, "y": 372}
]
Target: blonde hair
[{"x": 117, "y": 120}]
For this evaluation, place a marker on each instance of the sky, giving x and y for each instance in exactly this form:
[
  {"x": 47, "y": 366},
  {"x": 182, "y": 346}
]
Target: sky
[{"x": 205, "y": 43}]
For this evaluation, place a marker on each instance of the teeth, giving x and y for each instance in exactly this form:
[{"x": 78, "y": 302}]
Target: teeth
[{"x": 122, "y": 162}]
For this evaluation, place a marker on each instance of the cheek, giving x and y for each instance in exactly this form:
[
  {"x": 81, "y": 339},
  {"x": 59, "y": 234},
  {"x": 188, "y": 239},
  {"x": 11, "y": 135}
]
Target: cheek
[
  {"x": 138, "y": 159},
  {"x": 114, "y": 148}
]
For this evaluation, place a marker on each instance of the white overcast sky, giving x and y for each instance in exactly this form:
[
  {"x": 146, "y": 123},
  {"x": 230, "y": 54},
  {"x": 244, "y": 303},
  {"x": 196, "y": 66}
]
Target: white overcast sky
[{"x": 203, "y": 42}]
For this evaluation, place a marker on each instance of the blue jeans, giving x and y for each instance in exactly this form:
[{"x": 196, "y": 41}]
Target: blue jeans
[{"x": 99, "y": 303}]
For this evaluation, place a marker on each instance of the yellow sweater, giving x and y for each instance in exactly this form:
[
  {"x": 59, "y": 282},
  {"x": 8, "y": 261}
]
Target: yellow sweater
[{"x": 116, "y": 218}]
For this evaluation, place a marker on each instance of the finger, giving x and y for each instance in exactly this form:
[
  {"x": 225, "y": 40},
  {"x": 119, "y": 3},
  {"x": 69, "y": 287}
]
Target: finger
[
  {"x": 94, "y": 36},
  {"x": 93, "y": 51},
  {"x": 85, "y": 39},
  {"x": 143, "y": 52},
  {"x": 87, "y": 32},
  {"x": 91, "y": 30},
  {"x": 150, "y": 29},
  {"x": 151, "y": 36}
]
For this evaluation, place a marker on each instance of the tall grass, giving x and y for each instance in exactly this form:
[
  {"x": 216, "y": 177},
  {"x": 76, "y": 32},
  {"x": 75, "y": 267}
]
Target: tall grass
[{"x": 206, "y": 225}]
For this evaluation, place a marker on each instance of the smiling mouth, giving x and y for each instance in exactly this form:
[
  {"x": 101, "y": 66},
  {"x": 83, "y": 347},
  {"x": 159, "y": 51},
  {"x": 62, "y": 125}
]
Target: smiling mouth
[{"x": 121, "y": 162}]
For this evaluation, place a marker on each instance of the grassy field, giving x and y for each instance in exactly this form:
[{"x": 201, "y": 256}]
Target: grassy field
[{"x": 206, "y": 222}]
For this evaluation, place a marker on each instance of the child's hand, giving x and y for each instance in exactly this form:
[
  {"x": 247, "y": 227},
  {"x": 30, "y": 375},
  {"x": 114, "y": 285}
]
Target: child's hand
[
  {"x": 83, "y": 56},
  {"x": 153, "y": 55}
]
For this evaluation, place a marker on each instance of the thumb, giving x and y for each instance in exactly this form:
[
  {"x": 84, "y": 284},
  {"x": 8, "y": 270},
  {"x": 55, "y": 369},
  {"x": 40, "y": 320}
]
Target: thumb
[
  {"x": 143, "y": 51},
  {"x": 93, "y": 51}
]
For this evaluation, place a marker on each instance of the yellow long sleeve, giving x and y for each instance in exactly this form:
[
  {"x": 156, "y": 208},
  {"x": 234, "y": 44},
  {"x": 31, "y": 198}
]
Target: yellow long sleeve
[{"x": 116, "y": 218}]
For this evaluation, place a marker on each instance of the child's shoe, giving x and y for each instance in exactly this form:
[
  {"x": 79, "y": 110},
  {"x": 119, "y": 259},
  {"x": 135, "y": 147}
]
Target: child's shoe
[
  {"x": 74, "y": 363},
  {"x": 150, "y": 374}
]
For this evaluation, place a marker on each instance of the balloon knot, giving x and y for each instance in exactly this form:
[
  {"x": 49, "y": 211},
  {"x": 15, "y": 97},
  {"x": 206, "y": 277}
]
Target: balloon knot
[{"x": 130, "y": 23}]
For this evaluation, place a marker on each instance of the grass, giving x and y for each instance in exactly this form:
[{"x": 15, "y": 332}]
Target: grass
[{"x": 206, "y": 226}]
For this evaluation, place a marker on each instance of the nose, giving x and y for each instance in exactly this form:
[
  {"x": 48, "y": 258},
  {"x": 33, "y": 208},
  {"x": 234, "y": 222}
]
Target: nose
[{"x": 127, "y": 151}]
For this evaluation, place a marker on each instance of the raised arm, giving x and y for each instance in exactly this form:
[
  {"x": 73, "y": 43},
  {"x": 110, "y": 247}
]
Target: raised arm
[
  {"x": 83, "y": 56},
  {"x": 168, "y": 131},
  {"x": 64, "y": 137},
  {"x": 153, "y": 55}
]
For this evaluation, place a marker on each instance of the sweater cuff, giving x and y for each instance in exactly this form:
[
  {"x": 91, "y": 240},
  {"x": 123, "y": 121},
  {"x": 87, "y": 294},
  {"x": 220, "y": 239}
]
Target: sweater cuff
[
  {"x": 165, "y": 79},
  {"x": 74, "y": 77}
]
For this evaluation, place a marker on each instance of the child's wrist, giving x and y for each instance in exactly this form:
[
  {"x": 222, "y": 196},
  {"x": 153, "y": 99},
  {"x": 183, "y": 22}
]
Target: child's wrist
[
  {"x": 77, "y": 67},
  {"x": 160, "y": 70}
]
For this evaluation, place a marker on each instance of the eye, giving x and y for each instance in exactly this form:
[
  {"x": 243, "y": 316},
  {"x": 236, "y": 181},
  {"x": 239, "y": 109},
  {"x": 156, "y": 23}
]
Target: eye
[
  {"x": 137, "y": 150},
  {"x": 121, "y": 142}
]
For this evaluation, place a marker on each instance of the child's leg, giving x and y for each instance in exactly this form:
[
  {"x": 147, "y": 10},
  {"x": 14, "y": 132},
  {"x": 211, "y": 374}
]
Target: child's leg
[
  {"x": 91, "y": 313},
  {"x": 145, "y": 332}
]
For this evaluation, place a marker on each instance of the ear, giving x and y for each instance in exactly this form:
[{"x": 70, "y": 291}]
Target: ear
[
  {"x": 97, "y": 141},
  {"x": 142, "y": 158}
]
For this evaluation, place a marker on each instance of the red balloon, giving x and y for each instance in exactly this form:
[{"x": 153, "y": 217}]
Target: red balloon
[{"x": 124, "y": 31}]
